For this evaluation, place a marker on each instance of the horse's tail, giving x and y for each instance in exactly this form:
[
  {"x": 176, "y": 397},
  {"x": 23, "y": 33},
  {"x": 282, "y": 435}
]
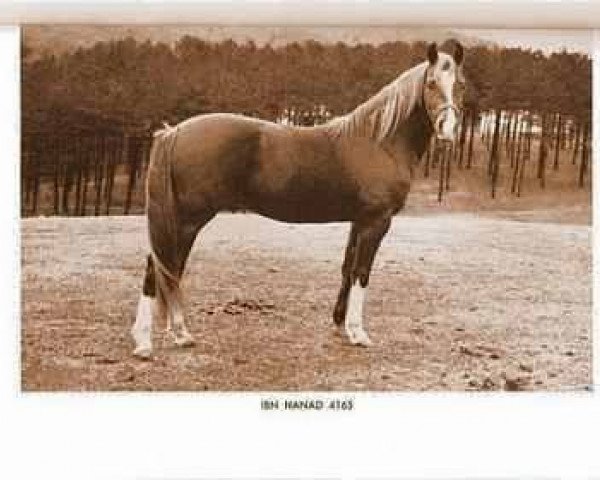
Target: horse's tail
[{"x": 161, "y": 210}]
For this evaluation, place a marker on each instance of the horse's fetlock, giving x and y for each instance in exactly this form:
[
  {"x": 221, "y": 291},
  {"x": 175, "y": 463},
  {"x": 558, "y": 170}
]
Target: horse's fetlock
[
  {"x": 149, "y": 286},
  {"x": 362, "y": 276}
]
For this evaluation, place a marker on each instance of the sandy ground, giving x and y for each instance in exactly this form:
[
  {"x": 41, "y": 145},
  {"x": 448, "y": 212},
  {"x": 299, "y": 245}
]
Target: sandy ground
[{"x": 456, "y": 302}]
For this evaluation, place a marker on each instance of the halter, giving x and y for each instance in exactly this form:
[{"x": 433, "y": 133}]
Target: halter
[{"x": 444, "y": 106}]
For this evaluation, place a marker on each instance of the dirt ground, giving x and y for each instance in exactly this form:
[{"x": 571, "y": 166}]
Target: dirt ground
[{"x": 457, "y": 301}]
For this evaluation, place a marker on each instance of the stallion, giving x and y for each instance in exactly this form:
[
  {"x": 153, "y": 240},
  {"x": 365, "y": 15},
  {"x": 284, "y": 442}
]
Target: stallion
[{"x": 356, "y": 168}]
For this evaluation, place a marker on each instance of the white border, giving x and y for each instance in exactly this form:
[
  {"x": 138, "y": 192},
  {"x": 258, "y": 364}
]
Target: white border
[
  {"x": 431, "y": 13},
  {"x": 596, "y": 210},
  {"x": 163, "y": 436},
  {"x": 9, "y": 209}
]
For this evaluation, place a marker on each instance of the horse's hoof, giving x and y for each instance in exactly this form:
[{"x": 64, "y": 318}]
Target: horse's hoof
[
  {"x": 143, "y": 353},
  {"x": 360, "y": 339},
  {"x": 339, "y": 317},
  {"x": 363, "y": 342},
  {"x": 185, "y": 341}
]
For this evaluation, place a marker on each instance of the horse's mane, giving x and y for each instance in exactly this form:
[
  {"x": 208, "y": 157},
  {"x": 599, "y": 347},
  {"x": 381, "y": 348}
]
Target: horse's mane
[
  {"x": 381, "y": 115},
  {"x": 166, "y": 129}
]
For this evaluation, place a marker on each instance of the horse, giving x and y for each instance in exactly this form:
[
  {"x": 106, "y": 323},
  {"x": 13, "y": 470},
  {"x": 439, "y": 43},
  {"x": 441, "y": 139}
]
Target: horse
[{"x": 355, "y": 168}]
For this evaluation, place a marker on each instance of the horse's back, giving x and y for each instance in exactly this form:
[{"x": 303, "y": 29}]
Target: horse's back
[{"x": 215, "y": 131}]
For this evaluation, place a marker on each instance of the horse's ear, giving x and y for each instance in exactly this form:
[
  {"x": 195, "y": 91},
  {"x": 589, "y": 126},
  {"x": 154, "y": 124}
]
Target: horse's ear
[
  {"x": 459, "y": 53},
  {"x": 432, "y": 53}
]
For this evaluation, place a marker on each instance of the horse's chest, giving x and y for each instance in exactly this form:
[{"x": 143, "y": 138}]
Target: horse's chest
[{"x": 384, "y": 185}]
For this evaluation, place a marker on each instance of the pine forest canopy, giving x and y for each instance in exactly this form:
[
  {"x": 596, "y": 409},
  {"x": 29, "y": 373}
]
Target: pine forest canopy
[{"x": 141, "y": 82}]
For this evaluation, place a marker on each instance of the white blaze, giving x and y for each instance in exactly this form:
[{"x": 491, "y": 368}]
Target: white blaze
[
  {"x": 447, "y": 79},
  {"x": 354, "y": 316}
]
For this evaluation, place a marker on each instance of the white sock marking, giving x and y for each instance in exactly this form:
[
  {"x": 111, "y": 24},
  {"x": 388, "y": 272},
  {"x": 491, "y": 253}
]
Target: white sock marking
[
  {"x": 354, "y": 316},
  {"x": 183, "y": 338},
  {"x": 142, "y": 328}
]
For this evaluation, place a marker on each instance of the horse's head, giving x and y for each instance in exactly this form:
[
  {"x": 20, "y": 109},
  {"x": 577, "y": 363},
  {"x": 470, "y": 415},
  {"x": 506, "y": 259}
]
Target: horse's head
[{"x": 443, "y": 90}]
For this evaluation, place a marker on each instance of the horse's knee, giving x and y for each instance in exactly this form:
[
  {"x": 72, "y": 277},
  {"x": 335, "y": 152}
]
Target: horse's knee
[{"x": 347, "y": 267}]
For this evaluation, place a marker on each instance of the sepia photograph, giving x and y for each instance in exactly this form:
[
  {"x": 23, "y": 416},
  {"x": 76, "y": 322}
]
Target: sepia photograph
[{"x": 305, "y": 208}]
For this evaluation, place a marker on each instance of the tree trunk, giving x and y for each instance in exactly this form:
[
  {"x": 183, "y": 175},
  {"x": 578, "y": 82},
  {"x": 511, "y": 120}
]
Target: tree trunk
[
  {"x": 56, "y": 158},
  {"x": 441, "y": 173},
  {"x": 577, "y": 140},
  {"x": 67, "y": 185},
  {"x": 509, "y": 126},
  {"x": 513, "y": 186},
  {"x": 584, "y": 154},
  {"x": 541, "y": 173},
  {"x": 515, "y": 138},
  {"x": 78, "y": 161},
  {"x": 474, "y": 118},
  {"x": 36, "y": 174},
  {"x": 463, "y": 136},
  {"x": 526, "y": 155},
  {"x": 557, "y": 141},
  {"x": 110, "y": 180},
  {"x": 494, "y": 163},
  {"x": 98, "y": 168},
  {"x": 85, "y": 155},
  {"x": 131, "y": 161}
]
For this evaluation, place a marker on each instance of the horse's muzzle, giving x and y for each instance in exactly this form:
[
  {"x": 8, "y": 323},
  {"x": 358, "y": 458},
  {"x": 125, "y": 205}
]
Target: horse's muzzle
[{"x": 446, "y": 122}]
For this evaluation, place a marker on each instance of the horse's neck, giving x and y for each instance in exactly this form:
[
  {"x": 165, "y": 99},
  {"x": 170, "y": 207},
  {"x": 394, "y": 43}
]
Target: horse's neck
[
  {"x": 371, "y": 120},
  {"x": 413, "y": 134}
]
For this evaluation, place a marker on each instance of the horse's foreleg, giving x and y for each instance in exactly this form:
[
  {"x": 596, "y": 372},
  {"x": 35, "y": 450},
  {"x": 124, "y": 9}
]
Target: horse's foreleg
[
  {"x": 339, "y": 312},
  {"x": 369, "y": 236}
]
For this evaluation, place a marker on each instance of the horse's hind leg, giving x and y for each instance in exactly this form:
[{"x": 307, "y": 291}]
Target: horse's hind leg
[
  {"x": 171, "y": 297},
  {"x": 142, "y": 328},
  {"x": 161, "y": 294},
  {"x": 171, "y": 290}
]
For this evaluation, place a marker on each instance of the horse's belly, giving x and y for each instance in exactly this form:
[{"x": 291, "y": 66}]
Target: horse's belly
[
  {"x": 326, "y": 197},
  {"x": 304, "y": 185},
  {"x": 306, "y": 206}
]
